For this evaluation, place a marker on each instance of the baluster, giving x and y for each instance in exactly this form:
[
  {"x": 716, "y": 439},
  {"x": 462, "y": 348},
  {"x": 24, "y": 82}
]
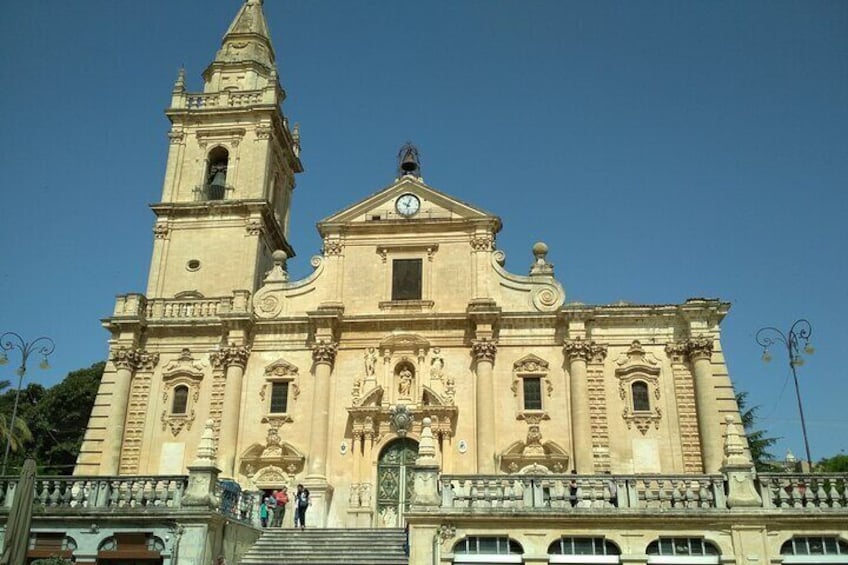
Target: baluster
[
  {"x": 56, "y": 494},
  {"x": 833, "y": 494},
  {"x": 45, "y": 492},
  {"x": 820, "y": 494},
  {"x": 798, "y": 493},
  {"x": 784, "y": 490},
  {"x": 666, "y": 488},
  {"x": 678, "y": 496}
]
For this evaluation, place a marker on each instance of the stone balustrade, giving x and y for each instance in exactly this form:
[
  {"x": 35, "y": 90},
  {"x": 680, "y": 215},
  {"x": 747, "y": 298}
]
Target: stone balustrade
[
  {"x": 225, "y": 99},
  {"x": 187, "y": 308},
  {"x": 130, "y": 495},
  {"x": 804, "y": 490},
  {"x": 582, "y": 491},
  {"x": 80, "y": 493}
]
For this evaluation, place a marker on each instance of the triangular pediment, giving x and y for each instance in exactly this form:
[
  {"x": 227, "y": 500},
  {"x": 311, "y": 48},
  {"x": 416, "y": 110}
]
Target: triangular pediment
[{"x": 381, "y": 207}]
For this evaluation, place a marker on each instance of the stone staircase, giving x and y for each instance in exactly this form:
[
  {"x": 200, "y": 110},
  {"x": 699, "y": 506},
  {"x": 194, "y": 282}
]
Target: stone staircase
[{"x": 282, "y": 546}]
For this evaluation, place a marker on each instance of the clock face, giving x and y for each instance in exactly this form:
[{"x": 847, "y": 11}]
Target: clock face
[{"x": 407, "y": 205}]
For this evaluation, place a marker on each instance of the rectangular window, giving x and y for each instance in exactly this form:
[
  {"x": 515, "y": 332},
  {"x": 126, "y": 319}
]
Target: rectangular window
[
  {"x": 532, "y": 393},
  {"x": 279, "y": 397},
  {"x": 406, "y": 279}
]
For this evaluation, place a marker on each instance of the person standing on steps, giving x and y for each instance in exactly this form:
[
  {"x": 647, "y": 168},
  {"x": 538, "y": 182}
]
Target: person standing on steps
[
  {"x": 282, "y": 497},
  {"x": 302, "y": 502},
  {"x": 271, "y": 505}
]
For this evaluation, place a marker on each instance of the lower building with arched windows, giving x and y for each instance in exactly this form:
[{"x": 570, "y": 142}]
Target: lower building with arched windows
[{"x": 409, "y": 380}]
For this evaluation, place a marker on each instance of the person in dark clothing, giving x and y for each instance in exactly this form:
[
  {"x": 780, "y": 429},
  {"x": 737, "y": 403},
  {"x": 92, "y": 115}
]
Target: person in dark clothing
[{"x": 302, "y": 502}]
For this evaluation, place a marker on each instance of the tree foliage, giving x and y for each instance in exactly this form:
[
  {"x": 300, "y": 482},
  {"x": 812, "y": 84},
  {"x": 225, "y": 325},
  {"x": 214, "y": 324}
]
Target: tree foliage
[
  {"x": 57, "y": 417},
  {"x": 835, "y": 464},
  {"x": 758, "y": 442},
  {"x": 18, "y": 433}
]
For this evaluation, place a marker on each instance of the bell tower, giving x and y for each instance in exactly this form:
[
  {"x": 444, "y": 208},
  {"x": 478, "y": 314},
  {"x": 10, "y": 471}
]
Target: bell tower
[{"x": 230, "y": 171}]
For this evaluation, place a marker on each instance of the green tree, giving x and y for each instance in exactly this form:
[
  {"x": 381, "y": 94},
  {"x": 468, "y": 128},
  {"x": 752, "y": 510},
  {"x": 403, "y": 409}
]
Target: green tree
[
  {"x": 758, "y": 442},
  {"x": 835, "y": 464},
  {"x": 18, "y": 432},
  {"x": 57, "y": 418}
]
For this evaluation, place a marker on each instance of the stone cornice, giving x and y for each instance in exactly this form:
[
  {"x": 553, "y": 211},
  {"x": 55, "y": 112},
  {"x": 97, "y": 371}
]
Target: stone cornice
[{"x": 237, "y": 208}]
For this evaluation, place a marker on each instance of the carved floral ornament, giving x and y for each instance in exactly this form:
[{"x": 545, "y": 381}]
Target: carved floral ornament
[
  {"x": 483, "y": 242},
  {"x": 230, "y": 355},
  {"x": 484, "y": 350},
  {"x": 639, "y": 366},
  {"x": 332, "y": 246},
  {"x": 692, "y": 349},
  {"x": 324, "y": 351},
  {"x": 584, "y": 350},
  {"x": 134, "y": 359}
]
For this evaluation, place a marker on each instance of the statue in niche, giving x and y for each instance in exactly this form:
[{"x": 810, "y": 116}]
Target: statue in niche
[
  {"x": 437, "y": 365},
  {"x": 370, "y": 361},
  {"x": 405, "y": 378}
]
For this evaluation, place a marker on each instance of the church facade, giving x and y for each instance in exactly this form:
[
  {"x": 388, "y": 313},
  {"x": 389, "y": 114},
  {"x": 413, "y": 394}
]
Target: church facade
[{"x": 412, "y": 378}]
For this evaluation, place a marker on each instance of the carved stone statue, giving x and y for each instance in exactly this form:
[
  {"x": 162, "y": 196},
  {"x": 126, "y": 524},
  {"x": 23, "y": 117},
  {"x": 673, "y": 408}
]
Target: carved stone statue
[
  {"x": 370, "y": 361},
  {"x": 437, "y": 365},
  {"x": 405, "y": 382}
]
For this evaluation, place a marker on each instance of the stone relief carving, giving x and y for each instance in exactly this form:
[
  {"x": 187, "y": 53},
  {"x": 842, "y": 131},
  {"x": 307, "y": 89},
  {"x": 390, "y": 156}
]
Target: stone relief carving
[
  {"x": 531, "y": 365},
  {"x": 186, "y": 371},
  {"x": 401, "y": 419},
  {"x": 545, "y": 457},
  {"x": 405, "y": 375}
]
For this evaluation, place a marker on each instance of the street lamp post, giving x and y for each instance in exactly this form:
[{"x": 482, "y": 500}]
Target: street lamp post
[
  {"x": 9, "y": 341},
  {"x": 796, "y": 341}
]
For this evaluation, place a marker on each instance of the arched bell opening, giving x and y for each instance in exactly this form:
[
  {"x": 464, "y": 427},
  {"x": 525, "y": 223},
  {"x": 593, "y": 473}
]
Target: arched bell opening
[{"x": 216, "y": 174}]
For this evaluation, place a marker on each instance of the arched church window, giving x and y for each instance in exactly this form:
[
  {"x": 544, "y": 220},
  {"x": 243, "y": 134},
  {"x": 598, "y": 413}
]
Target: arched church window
[
  {"x": 470, "y": 549},
  {"x": 696, "y": 551},
  {"x": 641, "y": 399},
  {"x": 180, "y": 403},
  {"x": 575, "y": 550},
  {"x": 800, "y": 549},
  {"x": 216, "y": 175}
]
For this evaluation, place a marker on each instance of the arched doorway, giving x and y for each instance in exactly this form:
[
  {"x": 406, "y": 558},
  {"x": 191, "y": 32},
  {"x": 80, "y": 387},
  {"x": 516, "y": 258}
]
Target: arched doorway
[{"x": 395, "y": 481}]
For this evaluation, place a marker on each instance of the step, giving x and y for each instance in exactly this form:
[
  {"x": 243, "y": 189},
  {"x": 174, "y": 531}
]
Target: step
[{"x": 328, "y": 546}]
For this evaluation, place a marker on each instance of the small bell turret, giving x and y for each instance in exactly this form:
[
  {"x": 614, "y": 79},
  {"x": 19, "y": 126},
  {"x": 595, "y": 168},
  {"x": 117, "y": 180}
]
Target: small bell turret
[{"x": 408, "y": 161}]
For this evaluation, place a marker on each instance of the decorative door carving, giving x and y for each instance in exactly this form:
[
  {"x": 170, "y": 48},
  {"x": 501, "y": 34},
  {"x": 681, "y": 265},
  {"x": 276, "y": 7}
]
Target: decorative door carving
[{"x": 395, "y": 481}]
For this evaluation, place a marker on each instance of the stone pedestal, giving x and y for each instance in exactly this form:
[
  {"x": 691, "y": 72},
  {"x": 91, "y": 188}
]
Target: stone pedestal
[
  {"x": 321, "y": 496},
  {"x": 739, "y": 470}
]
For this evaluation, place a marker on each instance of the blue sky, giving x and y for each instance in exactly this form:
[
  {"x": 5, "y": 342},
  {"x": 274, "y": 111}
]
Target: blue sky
[{"x": 663, "y": 150}]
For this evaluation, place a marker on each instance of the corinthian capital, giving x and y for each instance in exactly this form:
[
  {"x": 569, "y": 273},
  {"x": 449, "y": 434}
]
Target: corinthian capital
[
  {"x": 583, "y": 350},
  {"x": 694, "y": 349},
  {"x": 133, "y": 359},
  {"x": 325, "y": 351},
  {"x": 231, "y": 355},
  {"x": 484, "y": 349}
]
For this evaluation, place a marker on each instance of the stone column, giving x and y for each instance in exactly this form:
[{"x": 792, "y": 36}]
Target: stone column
[
  {"x": 579, "y": 352},
  {"x": 324, "y": 356},
  {"x": 126, "y": 361},
  {"x": 700, "y": 351},
  {"x": 484, "y": 351},
  {"x": 232, "y": 359}
]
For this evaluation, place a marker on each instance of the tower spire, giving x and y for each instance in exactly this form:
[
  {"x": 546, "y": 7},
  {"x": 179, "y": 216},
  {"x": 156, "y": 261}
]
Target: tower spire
[{"x": 246, "y": 46}]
